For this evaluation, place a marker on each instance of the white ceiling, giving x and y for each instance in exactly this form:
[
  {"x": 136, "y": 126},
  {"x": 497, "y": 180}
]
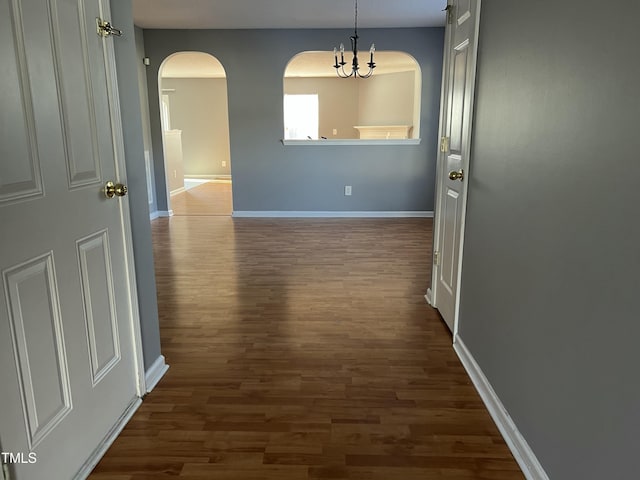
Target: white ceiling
[
  {"x": 306, "y": 64},
  {"x": 320, "y": 64},
  {"x": 287, "y": 13}
]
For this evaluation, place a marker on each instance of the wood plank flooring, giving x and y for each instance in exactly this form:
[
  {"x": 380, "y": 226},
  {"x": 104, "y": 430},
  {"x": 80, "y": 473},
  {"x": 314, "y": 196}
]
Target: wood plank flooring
[
  {"x": 211, "y": 198},
  {"x": 304, "y": 349}
]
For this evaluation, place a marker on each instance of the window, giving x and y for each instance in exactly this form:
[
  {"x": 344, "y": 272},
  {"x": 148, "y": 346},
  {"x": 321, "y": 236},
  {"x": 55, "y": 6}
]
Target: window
[{"x": 301, "y": 117}]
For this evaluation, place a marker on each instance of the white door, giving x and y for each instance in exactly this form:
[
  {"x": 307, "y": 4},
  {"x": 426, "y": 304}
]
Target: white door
[
  {"x": 453, "y": 161},
  {"x": 67, "y": 313}
]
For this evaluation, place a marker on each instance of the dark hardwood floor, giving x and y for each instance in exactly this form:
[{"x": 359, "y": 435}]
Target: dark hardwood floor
[{"x": 304, "y": 349}]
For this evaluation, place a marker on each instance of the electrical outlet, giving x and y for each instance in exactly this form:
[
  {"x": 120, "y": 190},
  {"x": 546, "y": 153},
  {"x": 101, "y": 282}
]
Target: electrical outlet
[
  {"x": 335, "y": 131},
  {"x": 224, "y": 163},
  {"x": 347, "y": 190},
  {"x": 175, "y": 174}
]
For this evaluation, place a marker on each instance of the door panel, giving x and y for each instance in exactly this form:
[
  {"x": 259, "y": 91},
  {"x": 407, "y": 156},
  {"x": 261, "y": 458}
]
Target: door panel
[
  {"x": 39, "y": 349},
  {"x": 457, "y": 97},
  {"x": 449, "y": 235},
  {"x": 19, "y": 178},
  {"x": 99, "y": 303},
  {"x": 66, "y": 310},
  {"x": 73, "y": 77},
  {"x": 463, "y": 11}
]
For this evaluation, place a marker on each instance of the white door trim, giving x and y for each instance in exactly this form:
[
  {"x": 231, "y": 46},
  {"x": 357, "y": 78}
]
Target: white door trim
[
  {"x": 155, "y": 373},
  {"x": 125, "y": 217},
  {"x": 165, "y": 170},
  {"x": 108, "y": 440},
  {"x": 432, "y": 293}
]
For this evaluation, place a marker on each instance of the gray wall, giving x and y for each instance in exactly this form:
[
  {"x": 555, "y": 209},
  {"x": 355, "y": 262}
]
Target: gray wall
[
  {"x": 551, "y": 270},
  {"x": 270, "y": 176},
  {"x": 388, "y": 100},
  {"x": 126, "y": 64},
  {"x": 199, "y": 108}
]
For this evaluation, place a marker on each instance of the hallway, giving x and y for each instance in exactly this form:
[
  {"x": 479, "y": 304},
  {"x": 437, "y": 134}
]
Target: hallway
[{"x": 304, "y": 349}]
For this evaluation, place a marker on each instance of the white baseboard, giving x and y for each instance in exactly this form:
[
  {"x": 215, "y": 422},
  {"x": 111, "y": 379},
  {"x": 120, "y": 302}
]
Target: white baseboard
[
  {"x": 177, "y": 191},
  {"x": 429, "y": 296},
  {"x": 333, "y": 214},
  {"x": 207, "y": 177},
  {"x": 108, "y": 440},
  {"x": 160, "y": 213},
  {"x": 517, "y": 444},
  {"x": 155, "y": 373}
]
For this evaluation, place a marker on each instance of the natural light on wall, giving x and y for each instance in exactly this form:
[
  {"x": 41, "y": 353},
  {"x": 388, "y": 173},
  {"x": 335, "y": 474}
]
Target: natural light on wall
[{"x": 320, "y": 106}]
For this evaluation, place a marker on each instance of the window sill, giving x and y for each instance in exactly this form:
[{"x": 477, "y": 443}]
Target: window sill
[{"x": 353, "y": 141}]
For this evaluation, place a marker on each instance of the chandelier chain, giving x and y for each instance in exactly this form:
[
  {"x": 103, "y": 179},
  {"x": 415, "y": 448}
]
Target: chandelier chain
[
  {"x": 356, "y": 19},
  {"x": 339, "y": 62}
]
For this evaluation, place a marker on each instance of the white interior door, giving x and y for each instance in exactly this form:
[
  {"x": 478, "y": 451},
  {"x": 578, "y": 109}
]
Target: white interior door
[
  {"x": 67, "y": 312},
  {"x": 453, "y": 162}
]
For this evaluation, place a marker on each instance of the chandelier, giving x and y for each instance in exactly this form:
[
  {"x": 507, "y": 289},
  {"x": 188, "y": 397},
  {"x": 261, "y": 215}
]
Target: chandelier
[{"x": 355, "y": 66}]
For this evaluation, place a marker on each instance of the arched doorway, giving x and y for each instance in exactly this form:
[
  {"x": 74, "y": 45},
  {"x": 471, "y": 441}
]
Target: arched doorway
[{"x": 195, "y": 122}]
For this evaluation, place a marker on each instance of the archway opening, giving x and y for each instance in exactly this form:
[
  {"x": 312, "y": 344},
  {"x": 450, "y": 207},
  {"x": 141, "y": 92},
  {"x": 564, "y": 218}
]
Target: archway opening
[
  {"x": 319, "y": 105},
  {"x": 195, "y": 131}
]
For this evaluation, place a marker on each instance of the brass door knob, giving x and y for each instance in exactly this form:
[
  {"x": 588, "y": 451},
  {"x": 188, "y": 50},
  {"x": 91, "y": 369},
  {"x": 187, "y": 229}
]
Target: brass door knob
[
  {"x": 115, "y": 189},
  {"x": 456, "y": 175}
]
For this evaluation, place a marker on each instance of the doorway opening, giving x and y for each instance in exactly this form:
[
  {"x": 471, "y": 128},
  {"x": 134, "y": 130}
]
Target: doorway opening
[{"x": 195, "y": 134}]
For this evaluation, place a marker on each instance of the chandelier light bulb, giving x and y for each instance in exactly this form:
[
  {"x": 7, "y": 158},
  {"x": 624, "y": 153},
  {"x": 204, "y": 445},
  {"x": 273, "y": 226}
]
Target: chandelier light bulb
[{"x": 355, "y": 65}]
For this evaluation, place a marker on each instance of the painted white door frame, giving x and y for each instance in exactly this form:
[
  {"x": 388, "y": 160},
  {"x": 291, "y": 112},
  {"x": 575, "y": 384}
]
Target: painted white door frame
[
  {"x": 164, "y": 112},
  {"x": 121, "y": 172},
  {"x": 432, "y": 293}
]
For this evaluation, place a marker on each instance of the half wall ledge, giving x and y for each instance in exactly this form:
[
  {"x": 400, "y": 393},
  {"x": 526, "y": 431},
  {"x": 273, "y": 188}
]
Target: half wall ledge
[{"x": 352, "y": 141}]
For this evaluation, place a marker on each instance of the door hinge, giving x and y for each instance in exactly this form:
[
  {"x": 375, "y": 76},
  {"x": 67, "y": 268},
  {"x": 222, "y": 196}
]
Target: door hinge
[
  {"x": 449, "y": 9},
  {"x": 104, "y": 28},
  {"x": 436, "y": 258},
  {"x": 444, "y": 144}
]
